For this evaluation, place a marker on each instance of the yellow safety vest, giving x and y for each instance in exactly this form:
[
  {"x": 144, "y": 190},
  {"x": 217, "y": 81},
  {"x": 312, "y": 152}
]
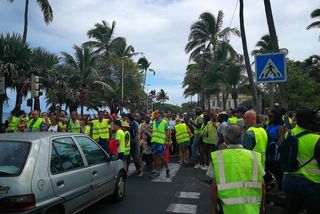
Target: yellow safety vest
[
  {"x": 100, "y": 130},
  {"x": 36, "y": 126},
  {"x": 121, "y": 137},
  {"x": 127, "y": 146},
  {"x": 232, "y": 120},
  {"x": 74, "y": 126},
  {"x": 87, "y": 130},
  {"x": 159, "y": 133},
  {"x": 182, "y": 134},
  {"x": 204, "y": 132},
  {"x": 13, "y": 124},
  {"x": 306, "y": 146},
  {"x": 238, "y": 174},
  {"x": 196, "y": 130},
  {"x": 261, "y": 138}
]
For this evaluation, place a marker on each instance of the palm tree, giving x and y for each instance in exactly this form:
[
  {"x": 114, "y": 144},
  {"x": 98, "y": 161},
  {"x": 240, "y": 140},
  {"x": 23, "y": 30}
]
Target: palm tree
[
  {"x": 275, "y": 48},
  {"x": 46, "y": 11},
  {"x": 83, "y": 70},
  {"x": 162, "y": 96},
  {"x": 207, "y": 34},
  {"x": 253, "y": 88},
  {"x": 314, "y": 14},
  {"x": 144, "y": 66}
]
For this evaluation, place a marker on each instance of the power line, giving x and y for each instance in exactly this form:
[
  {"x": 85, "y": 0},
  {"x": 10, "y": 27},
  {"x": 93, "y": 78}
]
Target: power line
[{"x": 235, "y": 8}]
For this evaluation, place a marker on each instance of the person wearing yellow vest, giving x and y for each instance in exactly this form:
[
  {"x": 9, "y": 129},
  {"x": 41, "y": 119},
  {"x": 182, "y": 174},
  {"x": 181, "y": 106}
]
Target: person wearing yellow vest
[
  {"x": 182, "y": 134},
  {"x": 23, "y": 119},
  {"x": 237, "y": 185},
  {"x": 62, "y": 121},
  {"x": 37, "y": 124},
  {"x": 74, "y": 125},
  {"x": 124, "y": 127},
  {"x": 197, "y": 124},
  {"x": 160, "y": 137},
  {"x": 120, "y": 138},
  {"x": 233, "y": 118},
  {"x": 255, "y": 137},
  {"x": 101, "y": 130},
  {"x": 13, "y": 122},
  {"x": 302, "y": 187}
]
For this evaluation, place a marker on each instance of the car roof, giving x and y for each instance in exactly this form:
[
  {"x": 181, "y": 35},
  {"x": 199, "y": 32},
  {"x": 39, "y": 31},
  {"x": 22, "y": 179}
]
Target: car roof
[{"x": 32, "y": 136}]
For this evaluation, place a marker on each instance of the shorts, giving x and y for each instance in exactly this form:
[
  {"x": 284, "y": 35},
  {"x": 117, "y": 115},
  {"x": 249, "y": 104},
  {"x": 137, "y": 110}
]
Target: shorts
[
  {"x": 184, "y": 145},
  {"x": 157, "y": 148}
]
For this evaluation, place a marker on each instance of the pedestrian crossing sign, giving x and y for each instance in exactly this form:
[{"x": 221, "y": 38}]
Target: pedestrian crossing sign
[{"x": 270, "y": 67}]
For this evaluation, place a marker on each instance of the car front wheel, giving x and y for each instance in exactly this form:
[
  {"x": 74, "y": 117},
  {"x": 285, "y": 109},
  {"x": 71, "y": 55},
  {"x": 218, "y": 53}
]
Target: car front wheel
[{"x": 120, "y": 187}]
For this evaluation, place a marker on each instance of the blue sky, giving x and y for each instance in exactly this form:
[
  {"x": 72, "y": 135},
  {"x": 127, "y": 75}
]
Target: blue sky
[{"x": 160, "y": 28}]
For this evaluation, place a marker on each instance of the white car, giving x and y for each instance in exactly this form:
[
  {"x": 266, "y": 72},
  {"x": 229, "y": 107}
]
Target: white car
[{"x": 55, "y": 173}]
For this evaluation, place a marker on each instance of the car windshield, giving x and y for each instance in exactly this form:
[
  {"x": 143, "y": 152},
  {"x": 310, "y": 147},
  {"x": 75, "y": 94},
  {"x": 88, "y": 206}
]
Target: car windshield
[{"x": 13, "y": 157}]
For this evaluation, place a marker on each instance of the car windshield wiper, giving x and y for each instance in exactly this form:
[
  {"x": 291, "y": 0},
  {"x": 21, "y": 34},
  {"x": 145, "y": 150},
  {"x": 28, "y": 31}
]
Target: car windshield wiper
[{"x": 5, "y": 173}]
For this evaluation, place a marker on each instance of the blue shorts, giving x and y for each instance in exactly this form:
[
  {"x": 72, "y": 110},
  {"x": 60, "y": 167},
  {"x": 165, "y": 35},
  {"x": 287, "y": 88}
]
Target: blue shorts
[{"x": 157, "y": 148}]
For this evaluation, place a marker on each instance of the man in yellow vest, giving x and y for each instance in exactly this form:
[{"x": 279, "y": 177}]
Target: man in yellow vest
[
  {"x": 74, "y": 125},
  {"x": 13, "y": 122},
  {"x": 101, "y": 130},
  {"x": 37, "y": 124},
  {"x": 197, "y": 124},
  {"x": 182, "y": 134},
  {"x": 160, "y": 137},
  {"x": 120, "y": 138},
  {"x": 302, "y": 186},
  {"x": 255, "y": 137},
  {"x": 237, "y": 185}
]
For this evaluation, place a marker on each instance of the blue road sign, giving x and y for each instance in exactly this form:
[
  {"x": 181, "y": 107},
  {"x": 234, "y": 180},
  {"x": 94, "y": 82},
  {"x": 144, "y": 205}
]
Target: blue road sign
[{"x": 271, "y": 67}]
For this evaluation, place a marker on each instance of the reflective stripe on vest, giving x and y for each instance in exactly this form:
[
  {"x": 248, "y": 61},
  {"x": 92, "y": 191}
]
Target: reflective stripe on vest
[
  {"x": 182, "y": 134},
  {"x": 100, "y": 130},
  {"x": 261, "y": 139},
  {"x": 36, "y": 126},
  {"x": 127, "y": 148},
  {"x": 306, "y": 146},
  {"x": 242, "y": 185},
  {"x": 74, "y": 126},
  {"x": 159, "y": 133}
]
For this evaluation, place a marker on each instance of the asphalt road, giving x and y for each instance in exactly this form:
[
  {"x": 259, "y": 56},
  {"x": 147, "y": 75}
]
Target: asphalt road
[{"x": 187, "y": 191}]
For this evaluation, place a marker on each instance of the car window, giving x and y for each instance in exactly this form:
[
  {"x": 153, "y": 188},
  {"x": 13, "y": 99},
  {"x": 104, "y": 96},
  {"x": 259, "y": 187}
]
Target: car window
[
  {"x": 91, "y": 150},
  {"x": 65, "y": 156},
  {"x": 13, "y": 157}
]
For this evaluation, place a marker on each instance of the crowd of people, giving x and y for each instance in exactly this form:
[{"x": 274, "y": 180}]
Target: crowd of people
[{"x": 240, "y": 150}]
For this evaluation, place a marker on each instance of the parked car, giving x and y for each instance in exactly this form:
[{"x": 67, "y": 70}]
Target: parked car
[{"x": 55, "y": 173}]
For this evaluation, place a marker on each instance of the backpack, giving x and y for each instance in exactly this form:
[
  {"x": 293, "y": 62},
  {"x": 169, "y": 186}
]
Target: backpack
[{"x": 289, "y": 152}]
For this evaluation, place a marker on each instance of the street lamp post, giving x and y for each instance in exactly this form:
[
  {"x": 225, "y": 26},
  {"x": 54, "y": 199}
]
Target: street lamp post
[{"x": 122, "y": 81}]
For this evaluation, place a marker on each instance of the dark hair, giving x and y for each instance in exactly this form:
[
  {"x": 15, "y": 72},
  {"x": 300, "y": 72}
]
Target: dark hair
[
  {"x": 222, "y": 118},
  {"x": 277, "y": 117},
  {"x": 117, "y": 122},
  {"x": 305, "y": 117},
  {"x": 206, "y": 118}
]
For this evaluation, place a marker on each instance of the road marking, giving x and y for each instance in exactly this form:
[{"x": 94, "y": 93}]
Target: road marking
[
  {"x": 174, "y": 168},
  {"x": 191, "y": 195},
  {"x": 182, "y": 208}
]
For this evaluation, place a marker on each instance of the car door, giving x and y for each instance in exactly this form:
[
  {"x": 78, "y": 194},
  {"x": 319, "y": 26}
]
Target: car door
[
  {"x": 101, "y": 170},
  {"x": 69, "y": 176}
]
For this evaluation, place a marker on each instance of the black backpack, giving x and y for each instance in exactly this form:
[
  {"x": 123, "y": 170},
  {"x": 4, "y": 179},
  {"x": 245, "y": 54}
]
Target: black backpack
[{"x": 289, "y": 152}]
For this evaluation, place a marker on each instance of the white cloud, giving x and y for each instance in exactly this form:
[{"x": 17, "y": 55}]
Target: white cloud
[{"x": 160, "y": 28}]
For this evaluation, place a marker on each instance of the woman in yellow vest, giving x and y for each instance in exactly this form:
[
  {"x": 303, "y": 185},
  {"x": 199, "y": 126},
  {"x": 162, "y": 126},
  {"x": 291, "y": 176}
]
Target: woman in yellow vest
[
  {"x": 302, "y": 187},
  {"x": 183, "y": 135}
]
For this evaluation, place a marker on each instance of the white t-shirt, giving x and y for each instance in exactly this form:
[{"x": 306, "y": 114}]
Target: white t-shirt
[{"x": 53, "y": 128}]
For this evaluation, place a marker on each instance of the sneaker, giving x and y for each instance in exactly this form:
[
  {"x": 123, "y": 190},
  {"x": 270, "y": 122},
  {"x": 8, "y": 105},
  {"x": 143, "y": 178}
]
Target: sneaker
[
  {"x": 198, "y": 166},
  {"x": 154, "y": 174},
  {"x": 205, "y": 167},
  {"x": 168, "y": 174}
]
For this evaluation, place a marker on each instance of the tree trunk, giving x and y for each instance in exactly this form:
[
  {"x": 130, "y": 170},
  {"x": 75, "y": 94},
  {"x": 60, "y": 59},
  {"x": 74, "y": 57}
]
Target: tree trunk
[
  {"x": 17, "y": 107},
  {"x": 25, "y": 28},
  {"x": 247, "y": 61},
  {"x": 218, "y": 99},
  {"x": 275, "y": 48},
  {"x": 271, "y": 93},
  {"x": 208, "y": 100}
]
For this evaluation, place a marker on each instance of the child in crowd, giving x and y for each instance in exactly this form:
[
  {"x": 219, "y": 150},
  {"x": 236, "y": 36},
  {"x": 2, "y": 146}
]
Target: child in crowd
[{"x": 145, "y": 150}]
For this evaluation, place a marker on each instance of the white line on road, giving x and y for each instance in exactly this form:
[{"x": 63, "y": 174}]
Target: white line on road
[
  {"x": 174, "y": 168},
  {"x": 191, "y": 195},
  {"x": 182, "y": 208}
]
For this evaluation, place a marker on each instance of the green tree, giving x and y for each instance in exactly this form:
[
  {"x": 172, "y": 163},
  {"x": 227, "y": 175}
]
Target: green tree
[
  {"x": 162, "y": 96},
  {"x": 46, "y": 11},
  {"x": 145, "y": 66},
  {"x": 315, "y": 24}
]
